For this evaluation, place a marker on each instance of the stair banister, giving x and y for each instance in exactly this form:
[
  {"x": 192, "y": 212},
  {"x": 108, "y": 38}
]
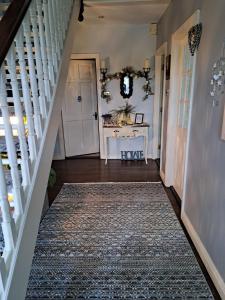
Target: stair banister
[{"x": 36, "y": 40}]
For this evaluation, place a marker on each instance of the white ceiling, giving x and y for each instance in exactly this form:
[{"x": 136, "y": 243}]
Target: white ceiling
[{"x": 124, "y": 11}]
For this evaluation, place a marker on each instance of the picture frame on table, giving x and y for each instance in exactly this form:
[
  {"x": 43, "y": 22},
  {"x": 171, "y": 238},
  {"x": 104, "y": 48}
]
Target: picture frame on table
[{"x": 139, "y": 118}]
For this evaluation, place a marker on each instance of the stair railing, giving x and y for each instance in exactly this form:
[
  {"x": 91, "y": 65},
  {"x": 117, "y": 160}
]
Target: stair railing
[{"x": 30, "y": 57}]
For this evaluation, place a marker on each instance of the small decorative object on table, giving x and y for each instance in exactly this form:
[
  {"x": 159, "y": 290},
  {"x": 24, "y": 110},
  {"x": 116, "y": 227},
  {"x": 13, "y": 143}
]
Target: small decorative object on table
[
  {"x": 107, "y": 119},
  {"x": 122, "y": 114},
  {"x": 139, "y": 118}
]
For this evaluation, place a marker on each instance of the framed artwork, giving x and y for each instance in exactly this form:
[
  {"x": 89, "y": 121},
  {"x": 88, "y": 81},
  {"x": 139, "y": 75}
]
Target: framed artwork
[
  {"x": 139, "y": 118},
  {"x": 168, "y": 62}
]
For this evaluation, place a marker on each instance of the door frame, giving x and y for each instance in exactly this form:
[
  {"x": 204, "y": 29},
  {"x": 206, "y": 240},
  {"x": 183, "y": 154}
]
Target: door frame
[
  {"x": 162, "y": 50},
  {"x": 96, "y": 58},
  {"x": 179, "y": 35}
]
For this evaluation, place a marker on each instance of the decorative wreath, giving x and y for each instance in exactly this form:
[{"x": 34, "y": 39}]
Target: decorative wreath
[{"x": 129, "y": 71}]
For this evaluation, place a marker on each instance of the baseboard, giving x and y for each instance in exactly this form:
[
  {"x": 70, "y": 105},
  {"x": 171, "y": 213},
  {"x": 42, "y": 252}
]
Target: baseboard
[{"x": 210, "y": 266}]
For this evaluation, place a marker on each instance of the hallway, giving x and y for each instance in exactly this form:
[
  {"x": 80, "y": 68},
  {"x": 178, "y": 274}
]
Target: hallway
[{"x": 92, "y": 220}]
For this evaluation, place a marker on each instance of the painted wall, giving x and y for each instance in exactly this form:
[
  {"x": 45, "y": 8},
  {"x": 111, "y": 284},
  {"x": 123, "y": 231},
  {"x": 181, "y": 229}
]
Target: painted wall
[
  {"x": 205, "y": 197},
  {"x": 124, "y": 45}
]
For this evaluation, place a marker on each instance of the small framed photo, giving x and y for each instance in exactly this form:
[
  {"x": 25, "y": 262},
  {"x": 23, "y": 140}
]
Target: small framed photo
[{"x": 139, "y": 118}]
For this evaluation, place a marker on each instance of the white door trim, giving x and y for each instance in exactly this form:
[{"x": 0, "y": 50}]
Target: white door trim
[
  {"x": 172, "y": 111},
  {"x": 162, "y": 50},
  {"x": 96, "y": 57},
  {"x": 61, "y": 155}
]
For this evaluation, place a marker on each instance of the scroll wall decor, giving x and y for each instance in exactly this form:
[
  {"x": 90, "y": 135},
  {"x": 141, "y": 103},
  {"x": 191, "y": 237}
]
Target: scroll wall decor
[
  {"x": 217, "y": 82},
  {"x": 126, "y": 77},
  {"x": 194, "y": 38}
]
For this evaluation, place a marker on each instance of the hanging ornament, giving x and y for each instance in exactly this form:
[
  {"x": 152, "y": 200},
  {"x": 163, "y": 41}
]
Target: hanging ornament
[
  {"x": 217, "y": 81},
  {"x": 194, "y": 38}
]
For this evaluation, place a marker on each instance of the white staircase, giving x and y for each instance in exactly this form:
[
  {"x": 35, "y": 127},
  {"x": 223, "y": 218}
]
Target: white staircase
[{"x": 32, "y": 79}]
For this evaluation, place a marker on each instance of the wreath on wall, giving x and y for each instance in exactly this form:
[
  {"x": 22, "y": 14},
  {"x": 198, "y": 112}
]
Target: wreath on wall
[{"x": 130, "y": 72}]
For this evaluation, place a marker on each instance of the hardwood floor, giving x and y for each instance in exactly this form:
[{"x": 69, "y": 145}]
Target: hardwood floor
[{"x": 94, "y": 170}]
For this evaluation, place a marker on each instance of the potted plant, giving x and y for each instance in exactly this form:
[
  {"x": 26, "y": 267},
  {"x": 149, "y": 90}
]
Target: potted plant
[{"x": 123, "y": 114}]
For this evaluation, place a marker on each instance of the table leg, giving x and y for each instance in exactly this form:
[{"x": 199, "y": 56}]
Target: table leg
[
  {"x": 106, "y": 150},
  {"x": 146, "y": 149}
]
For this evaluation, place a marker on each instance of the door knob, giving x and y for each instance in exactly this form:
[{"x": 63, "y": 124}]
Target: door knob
[
  {"x": 95, "y": 115},
  {"x": 79, "y": 98}
]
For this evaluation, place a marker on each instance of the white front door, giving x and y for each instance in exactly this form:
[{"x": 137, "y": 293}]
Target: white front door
[
  {"x": 80, "y": 121},
  {"x": 183, "y": 115}
]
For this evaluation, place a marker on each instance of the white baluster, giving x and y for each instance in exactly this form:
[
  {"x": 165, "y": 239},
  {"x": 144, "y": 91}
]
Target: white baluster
[
  {"x": 25, "y": 164},
  {"x": 32, "y": 77},
  {"x": 63, "y": 20},
  {"x": 3, "y": 273},
  {"x": 8, "y": 224},
  {"x": 51, "y": 18},
  {"x": 26, "y": 96},
  {"x": 43, "y": 50},
  {"x": 48, "y": 42},
  {"x": 39, "y": 66},
  {"x": 55, "y": 22},
  {"x": 60, "y": 24},
  {"x": 11, "y": 150}
]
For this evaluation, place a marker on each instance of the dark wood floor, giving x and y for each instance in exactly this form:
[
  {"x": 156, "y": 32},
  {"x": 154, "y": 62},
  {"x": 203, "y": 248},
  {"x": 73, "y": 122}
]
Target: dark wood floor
[{"x": 94, "y": 170}]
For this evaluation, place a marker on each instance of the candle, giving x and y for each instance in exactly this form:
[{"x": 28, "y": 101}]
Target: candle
[
  {"x": 103, "y": 64},
  {"x": 147, "y": 63}
]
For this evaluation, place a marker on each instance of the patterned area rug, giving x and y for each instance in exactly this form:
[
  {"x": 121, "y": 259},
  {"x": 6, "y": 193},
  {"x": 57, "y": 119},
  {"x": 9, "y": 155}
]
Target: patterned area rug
[{"x": 114, "y": 241}]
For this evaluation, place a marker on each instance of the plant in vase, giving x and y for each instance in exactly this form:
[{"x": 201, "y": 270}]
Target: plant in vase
[{"x": 123, "y": 114}]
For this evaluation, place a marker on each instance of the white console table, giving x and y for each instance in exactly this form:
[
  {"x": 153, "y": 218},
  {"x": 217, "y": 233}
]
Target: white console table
[{"x": 131, "y": 131}]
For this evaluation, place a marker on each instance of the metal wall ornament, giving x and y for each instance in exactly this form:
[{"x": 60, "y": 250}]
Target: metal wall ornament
[
  {"x": 217, "y": 82},
  {"x": 194, "y": 38}
]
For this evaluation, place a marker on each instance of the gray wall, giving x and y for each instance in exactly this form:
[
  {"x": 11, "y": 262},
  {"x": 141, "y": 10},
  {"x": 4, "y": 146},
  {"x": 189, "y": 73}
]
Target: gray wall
[{"x": 205, "y": 200}]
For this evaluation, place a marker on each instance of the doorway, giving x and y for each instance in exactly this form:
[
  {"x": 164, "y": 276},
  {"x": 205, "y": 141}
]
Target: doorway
[
  {"x": 161, "y": 107},
  {"x": 80, "y": 109},
  {"x": 183, "y": 115},
  {"x": 180, "y": 107}
]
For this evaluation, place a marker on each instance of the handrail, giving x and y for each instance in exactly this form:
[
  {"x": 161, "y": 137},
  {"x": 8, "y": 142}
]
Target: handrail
[{"x": 10, "y": 24}]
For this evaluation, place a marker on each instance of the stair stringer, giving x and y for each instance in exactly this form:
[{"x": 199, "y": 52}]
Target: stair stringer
[{"x": 17, "y": 280}]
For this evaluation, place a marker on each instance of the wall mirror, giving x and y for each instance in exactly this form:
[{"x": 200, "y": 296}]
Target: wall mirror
[{"x": 126, "y": 86}]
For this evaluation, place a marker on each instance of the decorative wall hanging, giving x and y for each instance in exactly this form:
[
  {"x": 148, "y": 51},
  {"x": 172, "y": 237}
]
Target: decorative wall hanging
[
  {"x": 126, "y": 77},
  {"x": 194, "y": 38},
  {"x": 218, "y": 77},
  {"x": 126, "y": 85}
]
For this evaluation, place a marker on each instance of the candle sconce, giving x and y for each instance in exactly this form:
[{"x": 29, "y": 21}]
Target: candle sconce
[{"x": 126, "y": 77}]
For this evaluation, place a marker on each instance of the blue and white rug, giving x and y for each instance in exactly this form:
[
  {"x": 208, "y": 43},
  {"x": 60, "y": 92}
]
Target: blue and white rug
[{"x": 114, "y": 241}]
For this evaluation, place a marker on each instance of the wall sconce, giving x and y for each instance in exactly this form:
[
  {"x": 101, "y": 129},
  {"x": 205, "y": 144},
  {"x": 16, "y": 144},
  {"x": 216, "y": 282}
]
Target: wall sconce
[
  {"x": 146, "y": 68},
  {"x": 103, "y": 69}
]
